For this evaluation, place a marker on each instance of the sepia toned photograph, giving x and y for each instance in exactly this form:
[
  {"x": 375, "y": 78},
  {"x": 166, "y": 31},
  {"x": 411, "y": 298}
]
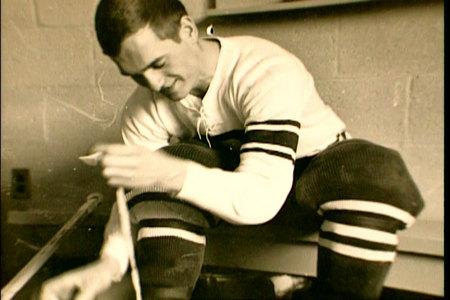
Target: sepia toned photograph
[{"x": 222, "y": 149}]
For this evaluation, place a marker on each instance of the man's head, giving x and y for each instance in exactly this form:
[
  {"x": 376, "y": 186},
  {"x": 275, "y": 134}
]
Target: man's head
[
  {"x": 117, "y": 19},
  {"x": 155, "y": 42}
]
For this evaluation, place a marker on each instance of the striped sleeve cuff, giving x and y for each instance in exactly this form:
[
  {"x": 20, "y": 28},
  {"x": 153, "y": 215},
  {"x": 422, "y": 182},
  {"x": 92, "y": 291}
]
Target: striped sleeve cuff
[{"x": 273, "y": 137}]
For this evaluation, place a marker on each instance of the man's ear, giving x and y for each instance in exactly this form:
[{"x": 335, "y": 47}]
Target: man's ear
[{"x": 188, "y": 29}]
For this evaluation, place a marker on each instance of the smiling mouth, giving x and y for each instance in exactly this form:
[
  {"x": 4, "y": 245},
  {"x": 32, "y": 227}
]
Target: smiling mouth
[{"x": 168, "y": 89}]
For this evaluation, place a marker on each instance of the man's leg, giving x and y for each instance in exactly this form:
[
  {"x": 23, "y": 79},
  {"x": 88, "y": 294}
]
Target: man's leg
[
  {"x": 365, "y": 194},
  {"x": 170, "y": 244},
  {"x": 170, "y": 234},
  {"x": 354, "y": 257}
]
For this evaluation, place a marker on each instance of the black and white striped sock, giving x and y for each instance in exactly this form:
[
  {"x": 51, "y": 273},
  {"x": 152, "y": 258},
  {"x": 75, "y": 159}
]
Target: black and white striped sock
[
  {"x": 169, "y": 255},
  {"x": 356, "y": 251}
]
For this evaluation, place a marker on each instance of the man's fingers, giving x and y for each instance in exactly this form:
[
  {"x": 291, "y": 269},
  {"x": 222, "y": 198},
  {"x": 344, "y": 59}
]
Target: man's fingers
[
  {"x": 111, "y": 172},
  {"x": 92, "y": 287},
  {"x": 91, "y": 159},
  {"x": 88, "y": 294},
  {"x": 48, "y": 293},
  {"x": 82, "y": 283},
  {"x": 129, "y": 183},
  {"x": 59, "y": 289},
  {"x": 122, "y": 182},
  {"x": 119, "y": 149},
  {"x": 128, "y": 161}
]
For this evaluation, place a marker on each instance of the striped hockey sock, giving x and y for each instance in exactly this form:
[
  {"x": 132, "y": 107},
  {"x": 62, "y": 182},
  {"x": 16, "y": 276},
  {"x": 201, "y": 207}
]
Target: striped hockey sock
[
  {"x": 169, "y": 255},
  {"x": 356, "y": 251},
  {"x": 365, "y": 194}
]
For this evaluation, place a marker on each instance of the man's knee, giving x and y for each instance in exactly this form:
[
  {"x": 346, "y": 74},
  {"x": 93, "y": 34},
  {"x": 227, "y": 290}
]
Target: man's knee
[
  {"x": 169, "y": 253},
  {"x": 170, "y": 244},
  {"x": 360, "y": 176},
  {"x": 146, "y": 206}
]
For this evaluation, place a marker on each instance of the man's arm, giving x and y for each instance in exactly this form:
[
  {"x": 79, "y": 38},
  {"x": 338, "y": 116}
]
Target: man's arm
[
  {"x": 83, "y": 283},
  {"x": 141, "y": 124},
  {"x": 256, "y": 190},
  {"x": 88, "y": 281},
  {"x": 152, "y": 135},
  {"x": 252, "y": 194},
  {"x": 272, "y": 105}
]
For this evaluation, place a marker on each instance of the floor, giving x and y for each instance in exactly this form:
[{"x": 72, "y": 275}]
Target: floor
[
  {"x": 217, "y": 283},
  {"x": 220, "y": 284}
]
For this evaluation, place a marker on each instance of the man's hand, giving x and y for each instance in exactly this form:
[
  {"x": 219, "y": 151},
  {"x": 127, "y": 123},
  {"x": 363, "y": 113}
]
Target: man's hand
[
  {"x": 84, "y": 283},
  {"x": 136, "y": 167}
]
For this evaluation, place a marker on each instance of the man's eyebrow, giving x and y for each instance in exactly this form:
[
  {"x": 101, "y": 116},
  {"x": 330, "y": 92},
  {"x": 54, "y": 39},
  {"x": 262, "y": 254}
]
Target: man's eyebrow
[{"x": 151, "y": 64}]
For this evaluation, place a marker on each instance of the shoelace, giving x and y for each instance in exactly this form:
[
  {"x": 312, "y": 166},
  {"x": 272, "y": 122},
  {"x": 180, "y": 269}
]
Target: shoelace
[{"x": 203, "y": 119}]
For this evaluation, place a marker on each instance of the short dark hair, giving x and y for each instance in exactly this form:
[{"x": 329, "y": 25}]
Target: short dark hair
[{"x": 117, "y": 19}]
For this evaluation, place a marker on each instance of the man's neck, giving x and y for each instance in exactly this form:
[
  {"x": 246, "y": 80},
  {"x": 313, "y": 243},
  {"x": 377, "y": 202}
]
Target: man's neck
[{"x": 208, "y": 59}]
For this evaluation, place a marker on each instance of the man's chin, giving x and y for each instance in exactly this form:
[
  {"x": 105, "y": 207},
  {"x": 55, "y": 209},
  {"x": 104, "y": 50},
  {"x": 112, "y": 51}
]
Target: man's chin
[{"x": 174, "y": 96}]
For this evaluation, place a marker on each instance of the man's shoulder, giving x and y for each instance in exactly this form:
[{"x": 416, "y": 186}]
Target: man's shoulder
[
  {"x": 253, "y": 58},
  {"x": 143, "y": 96},
  {"x": 254, "y": 43},
  {"x": 256, "y": 49},
  {"x": 248, "y": 39},
  {"x": 144, "y": 101}
]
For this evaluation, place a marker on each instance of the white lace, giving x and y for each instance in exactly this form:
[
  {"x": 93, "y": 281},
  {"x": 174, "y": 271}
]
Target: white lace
[{"x": 203, "y": 119}]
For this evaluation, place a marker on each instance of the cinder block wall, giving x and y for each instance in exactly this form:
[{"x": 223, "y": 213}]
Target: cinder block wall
[
  {"x": 60, "y": 96},
  {"x": 379, "y": 65}
]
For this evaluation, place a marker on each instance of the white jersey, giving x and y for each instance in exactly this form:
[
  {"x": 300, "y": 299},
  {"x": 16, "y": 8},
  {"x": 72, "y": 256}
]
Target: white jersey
[{"x": 258, "y": 88}]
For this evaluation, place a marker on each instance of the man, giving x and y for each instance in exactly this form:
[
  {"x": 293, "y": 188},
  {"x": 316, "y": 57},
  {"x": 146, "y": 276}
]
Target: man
[{"x": 233, "y": 129}]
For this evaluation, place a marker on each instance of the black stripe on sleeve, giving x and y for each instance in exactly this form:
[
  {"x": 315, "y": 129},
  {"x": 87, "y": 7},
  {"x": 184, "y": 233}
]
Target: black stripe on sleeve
[
  {"x": 281, "y": 138},
  {"x": 276, "y": 122},
  {"x": 271, "y": 152}
]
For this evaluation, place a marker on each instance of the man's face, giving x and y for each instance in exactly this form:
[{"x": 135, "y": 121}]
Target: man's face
[{"x": 164, "y": 66}]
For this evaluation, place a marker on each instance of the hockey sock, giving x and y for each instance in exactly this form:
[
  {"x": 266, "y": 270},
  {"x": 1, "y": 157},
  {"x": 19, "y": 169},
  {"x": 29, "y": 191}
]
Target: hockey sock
[
  {"x": 169, "y": 255},
  {"x": 355, "y": 253}
]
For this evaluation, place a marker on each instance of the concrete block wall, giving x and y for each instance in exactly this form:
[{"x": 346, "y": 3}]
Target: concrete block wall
[
  {"x": 59, "y": 97},
  {"x": 379, "y": 65}
]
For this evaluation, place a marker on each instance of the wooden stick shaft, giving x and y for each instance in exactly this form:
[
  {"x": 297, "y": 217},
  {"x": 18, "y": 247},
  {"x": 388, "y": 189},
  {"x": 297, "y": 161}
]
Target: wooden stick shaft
[{"x": 24, "y": 275}]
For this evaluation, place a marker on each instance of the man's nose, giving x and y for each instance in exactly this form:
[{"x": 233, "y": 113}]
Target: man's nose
[{"x": 154, "y": 78}]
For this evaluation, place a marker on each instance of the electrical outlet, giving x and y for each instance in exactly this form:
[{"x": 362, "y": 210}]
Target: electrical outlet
[{"x": 20, "y": 184}]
